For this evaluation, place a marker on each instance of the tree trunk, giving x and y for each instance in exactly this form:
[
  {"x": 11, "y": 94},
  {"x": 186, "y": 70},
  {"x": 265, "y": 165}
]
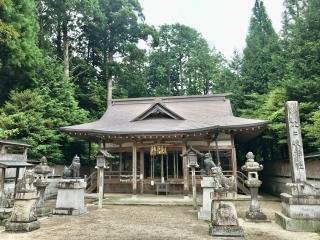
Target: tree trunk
[
  {"x": 181, "y": 77},
  {"x": 109, "y": 78},
  {"x": 66, "y": 45},
  {"x": 59, "y": 40},
  {"x": 66, "y": 59}
]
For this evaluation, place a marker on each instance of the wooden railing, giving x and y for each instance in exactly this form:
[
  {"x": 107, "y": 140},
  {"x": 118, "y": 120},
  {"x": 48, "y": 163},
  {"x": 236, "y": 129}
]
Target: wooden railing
[{"x": 126, "y": 177}]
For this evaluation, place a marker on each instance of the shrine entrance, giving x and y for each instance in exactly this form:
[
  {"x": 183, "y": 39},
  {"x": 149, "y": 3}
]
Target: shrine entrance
[{"x": 163, "y": 167}]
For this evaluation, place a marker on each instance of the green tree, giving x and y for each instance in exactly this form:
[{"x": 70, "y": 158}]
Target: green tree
[
  {"x": 114, "y": 31},
  {"x": 20, "y": 55},
  {"x": 60, "y": 26},
  {"x": 183, "y": 63},
  {"x": 261, "y": 64}
]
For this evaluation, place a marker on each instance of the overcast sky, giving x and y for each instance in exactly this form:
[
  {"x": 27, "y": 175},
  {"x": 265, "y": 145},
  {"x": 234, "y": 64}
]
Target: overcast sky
[{"x": 224, "y": 23}]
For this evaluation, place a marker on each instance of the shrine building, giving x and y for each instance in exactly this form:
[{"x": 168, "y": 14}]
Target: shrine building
[{"x": 147, "y": 137}]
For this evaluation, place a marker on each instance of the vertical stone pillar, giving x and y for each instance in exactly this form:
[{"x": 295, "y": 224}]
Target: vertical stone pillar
[
  {"x": 301, "y": 204},
  {"x": 141, "y": 170},
  {"x": 296, "y": 155},
  {"x": 185, "y": 173},
  {"x": 134, "y": 168}
]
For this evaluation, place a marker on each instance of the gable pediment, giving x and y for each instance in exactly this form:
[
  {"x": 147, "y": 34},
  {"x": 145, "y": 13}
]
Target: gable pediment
[{"x": 158, "y": 111}]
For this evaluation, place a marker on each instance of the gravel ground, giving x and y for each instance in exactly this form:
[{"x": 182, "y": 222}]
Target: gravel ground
[{"x": 149, "y": 222}]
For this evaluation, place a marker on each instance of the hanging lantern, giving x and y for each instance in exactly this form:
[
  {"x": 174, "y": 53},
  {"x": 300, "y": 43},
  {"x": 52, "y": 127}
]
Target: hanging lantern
[{"x": 192, "y": 157}]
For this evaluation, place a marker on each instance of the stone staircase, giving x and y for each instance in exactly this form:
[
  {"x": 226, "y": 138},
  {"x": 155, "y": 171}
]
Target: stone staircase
[
  {"x": 241, "y": 177},
  {"x": 92, "y": 183}
]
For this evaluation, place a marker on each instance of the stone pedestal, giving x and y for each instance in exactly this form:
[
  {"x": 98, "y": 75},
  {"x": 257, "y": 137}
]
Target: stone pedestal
[
  {"x": 70, "y": 199},
  {"x": 301, "y": 206},
  {"x": 207, "y": 186},
  {"x": 225, "y": 223},
  {"x": 255, "y": 214},
  {"x": 299, "y": 213},
  {"x": 23, "y": 217},
  {"x": 41, "y": 187}
]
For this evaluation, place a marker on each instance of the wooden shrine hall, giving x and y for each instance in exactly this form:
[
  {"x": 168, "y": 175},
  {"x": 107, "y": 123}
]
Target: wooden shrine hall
[{"x": 147, "y": 137}]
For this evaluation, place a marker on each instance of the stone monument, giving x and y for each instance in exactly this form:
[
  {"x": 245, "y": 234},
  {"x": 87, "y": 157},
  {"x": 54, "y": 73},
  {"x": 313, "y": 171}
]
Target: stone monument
[
  {"x": 24, "y": 217},
  {"x": 301, "y": 205},
  {"x": 71, "y": 189},
  {"x": 207, "y": 186},
  {"x": 224, "y": 219},
  {"x": 42, "y": 170},
  {"x": 254, "y": 214}
]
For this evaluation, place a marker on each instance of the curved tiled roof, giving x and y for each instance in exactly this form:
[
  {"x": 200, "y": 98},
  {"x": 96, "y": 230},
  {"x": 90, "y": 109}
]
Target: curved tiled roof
[{"x": 199, "y": 113}]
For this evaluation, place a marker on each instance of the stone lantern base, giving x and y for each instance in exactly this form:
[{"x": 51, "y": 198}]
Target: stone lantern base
[
  {"x": 23, "y": 217},
  {"x": 256, "y": 216}
]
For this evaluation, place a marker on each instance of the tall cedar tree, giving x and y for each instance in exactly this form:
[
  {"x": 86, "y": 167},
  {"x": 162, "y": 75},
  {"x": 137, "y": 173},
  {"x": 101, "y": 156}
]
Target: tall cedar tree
[
  {"x": 261, "y": 67},
  {"x": 115, "y": 31},
  {"x": 20, "y": 55}
]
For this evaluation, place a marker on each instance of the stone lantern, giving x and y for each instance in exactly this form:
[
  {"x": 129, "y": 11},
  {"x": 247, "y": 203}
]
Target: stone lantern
[
  {"x": 102, "y": 164},
  {"x": 192, "y": 162},
  {"x": 253, "y": 183},
  {"x": 42, "y": 170},
  {"x": 192, "y": 159}
]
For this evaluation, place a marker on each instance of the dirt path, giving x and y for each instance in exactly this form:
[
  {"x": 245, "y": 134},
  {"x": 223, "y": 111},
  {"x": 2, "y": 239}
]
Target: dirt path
[{"x": 147, "y": 222}]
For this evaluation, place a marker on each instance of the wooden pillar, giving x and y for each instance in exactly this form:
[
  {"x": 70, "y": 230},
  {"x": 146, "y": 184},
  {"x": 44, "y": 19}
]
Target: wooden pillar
[
  {"x": 100, "y": 175},
  {"x": 185, "y": 173},
  {"x": 177, "y": 158},
  {"x": 2, "y": 179},
  {"x": 17, "y": 175},
  {"x": 120, "y": 164},
  {"x": 134, "y": 169},
  {"x": 141, "y": 170},
  {"x": 167, "y": 166},
  {"x": 174, "y": 165},
  {"x": 150, "y": 158},
  {"x": 162, "y": 172},
  {"x": 217, "y": 151},
  {"x": 234, "y": 159}
]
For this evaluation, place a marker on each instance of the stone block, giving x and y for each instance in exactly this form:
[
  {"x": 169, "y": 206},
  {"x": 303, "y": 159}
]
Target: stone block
[
  {"x": 22, "y": 226},
  {"x": 304, "y": 207},
  {"x": 5, "y": 214},
  {"x": 226, "y": 215},
  {"x": 205, "y": 211},
  {"x": 235, "y": 232},
  {"x": 70, "y": 199},
  {"x": 72, "y": 184},
  {"x": 69, "y": 211},
  {"x": 204, "y": 215},
  {"x": 256, "y": 216},
  {"x": 24, "y": 210},
  {"x": 297, "y": 225}
]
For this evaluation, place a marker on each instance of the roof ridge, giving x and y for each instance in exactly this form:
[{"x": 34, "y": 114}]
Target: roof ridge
[{"x": 221, "y": 96}]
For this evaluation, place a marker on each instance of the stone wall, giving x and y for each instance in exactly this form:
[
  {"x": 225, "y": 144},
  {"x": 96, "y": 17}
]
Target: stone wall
[{"x": 276, "y": 174}]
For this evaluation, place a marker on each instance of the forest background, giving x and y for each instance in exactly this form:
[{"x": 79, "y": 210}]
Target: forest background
[{"x": 60, "y": 59}]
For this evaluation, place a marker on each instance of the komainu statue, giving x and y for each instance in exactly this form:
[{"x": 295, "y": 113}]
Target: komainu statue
[
  {"x": 208, "y": 163},
  {"x": 73, "y": 171}
]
